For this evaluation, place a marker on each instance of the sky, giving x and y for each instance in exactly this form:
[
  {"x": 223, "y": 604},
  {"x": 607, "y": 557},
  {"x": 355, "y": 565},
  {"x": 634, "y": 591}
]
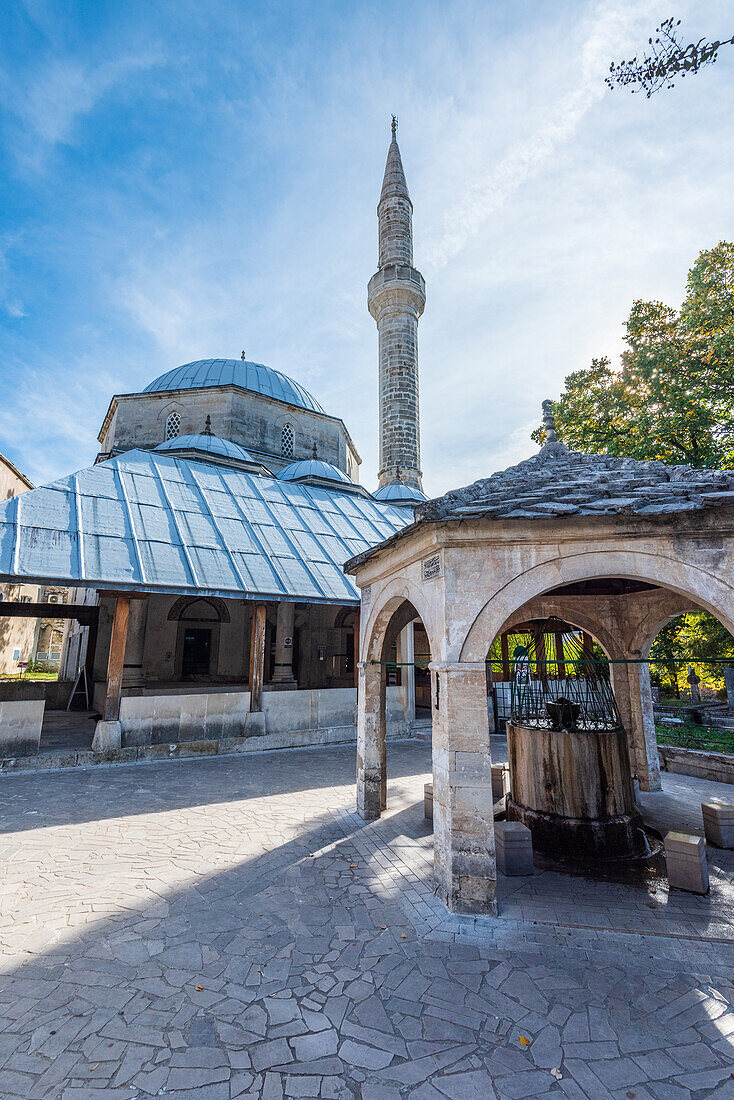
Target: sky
[{"x": 182, "y": 180}]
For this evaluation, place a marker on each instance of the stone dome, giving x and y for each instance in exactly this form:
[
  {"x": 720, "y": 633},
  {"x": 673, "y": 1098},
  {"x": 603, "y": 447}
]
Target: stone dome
[
  {"x": 255, "y": 377},
  {"x": 207, "y": 445},
  {"x": 313, "y": 467}
]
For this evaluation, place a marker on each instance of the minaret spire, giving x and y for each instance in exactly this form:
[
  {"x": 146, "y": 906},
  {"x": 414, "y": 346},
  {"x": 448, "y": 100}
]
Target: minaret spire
[{"x": 396, "y": 296}]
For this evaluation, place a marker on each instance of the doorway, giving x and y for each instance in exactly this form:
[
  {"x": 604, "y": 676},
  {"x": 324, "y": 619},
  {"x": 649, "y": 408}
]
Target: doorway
[{"x": 197, "y": 651}]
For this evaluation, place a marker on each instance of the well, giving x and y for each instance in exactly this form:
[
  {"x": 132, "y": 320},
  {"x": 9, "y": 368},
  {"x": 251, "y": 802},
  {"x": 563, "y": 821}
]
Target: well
[
  {"x": 570, "y": 775},
  {"x": 573, "y": 789}
]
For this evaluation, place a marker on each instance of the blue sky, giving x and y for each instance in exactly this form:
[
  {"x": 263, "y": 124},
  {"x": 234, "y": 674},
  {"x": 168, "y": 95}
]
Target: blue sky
[{"x": 183, "y": 180}]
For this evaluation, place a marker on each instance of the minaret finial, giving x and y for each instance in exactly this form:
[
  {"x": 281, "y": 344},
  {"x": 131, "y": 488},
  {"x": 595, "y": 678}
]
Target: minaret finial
[
  {"x": 549, "y": 422},
  {"x": 208, "y": 426},
  {"x": 394, "y": 126}
]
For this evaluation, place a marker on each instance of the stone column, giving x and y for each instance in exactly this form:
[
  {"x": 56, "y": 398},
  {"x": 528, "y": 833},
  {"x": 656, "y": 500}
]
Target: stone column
[
  {"x": 463, "y": 806},
  {"x": 283, "y": 671},
  {"x": 132, "y": 675},
  {"x": 631, "y": 687},
  {"x": 406, "y": 649},
  {"x": 371, "y": 752}
]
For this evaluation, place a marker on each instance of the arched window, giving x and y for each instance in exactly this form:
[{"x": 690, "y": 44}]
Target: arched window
[
  {"x": 287, "y": 440},
  {"x": 173, "y": 425}
]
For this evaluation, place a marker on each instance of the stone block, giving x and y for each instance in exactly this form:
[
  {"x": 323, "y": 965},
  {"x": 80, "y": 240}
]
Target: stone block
[
  {"x": 255, "y": 724},
  {"x": 20, "y": 727},
  {"x": 718, "y": 823},
  {"x": 107, "y": 737},
  {"x": 428, "y": 801},
  {"x": 685, "y": 856},
  {"x": 500, "y": 780},
  {"x": 514, "y": 848}
]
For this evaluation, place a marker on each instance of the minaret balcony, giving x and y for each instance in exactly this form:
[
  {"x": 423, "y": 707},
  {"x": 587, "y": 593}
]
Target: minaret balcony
[{"x": 396, "y": 287}]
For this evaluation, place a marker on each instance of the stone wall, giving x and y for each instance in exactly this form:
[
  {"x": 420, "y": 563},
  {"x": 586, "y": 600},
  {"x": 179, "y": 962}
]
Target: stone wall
[
  {"x": 292, "y": 717},
  {"x": 716, "y": 766},
  {"x": 253, "y": 420}
]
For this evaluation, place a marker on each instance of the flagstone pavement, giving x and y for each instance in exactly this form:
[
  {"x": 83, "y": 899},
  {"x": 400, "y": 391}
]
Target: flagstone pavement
[{"x": 228, "y": 927}]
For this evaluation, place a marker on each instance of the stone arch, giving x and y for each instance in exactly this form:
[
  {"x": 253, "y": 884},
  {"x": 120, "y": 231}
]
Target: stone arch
[
  {"x": 687, "y": 580},
  {"x": 184, "y": 603},
  {"x": 574, "y": 616},
  {"x": 384, "y": 605},
  {"x": 340, "y": 620}
]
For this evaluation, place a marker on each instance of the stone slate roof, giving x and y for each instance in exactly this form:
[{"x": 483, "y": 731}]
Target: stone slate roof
[{"x": 560, "y": 482}]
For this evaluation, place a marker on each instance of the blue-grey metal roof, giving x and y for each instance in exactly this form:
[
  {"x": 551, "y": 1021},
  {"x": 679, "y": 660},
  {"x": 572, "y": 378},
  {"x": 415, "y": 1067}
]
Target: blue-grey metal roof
[
  {"x": 207, "y": 444},
  {"x": 235, "y": 372},
  {"x": 154, "y": 522},
  {"x": 313, "y": 467},
  {"x": 396, "y": 491}
]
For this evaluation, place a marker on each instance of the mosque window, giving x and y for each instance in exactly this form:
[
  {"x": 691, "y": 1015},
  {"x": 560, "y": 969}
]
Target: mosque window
[
  {"x": 173, "y": 425},
  {"x": 287, "y": 439}
]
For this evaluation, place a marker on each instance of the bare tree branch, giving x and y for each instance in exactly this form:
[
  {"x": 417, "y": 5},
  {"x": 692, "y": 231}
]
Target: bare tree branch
[{"x": 668, "y": 59}]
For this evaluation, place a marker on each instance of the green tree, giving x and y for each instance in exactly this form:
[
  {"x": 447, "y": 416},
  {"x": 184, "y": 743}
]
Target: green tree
[
  {"x": 672, "y": 396},
  {"x": 671, "y": 399}
]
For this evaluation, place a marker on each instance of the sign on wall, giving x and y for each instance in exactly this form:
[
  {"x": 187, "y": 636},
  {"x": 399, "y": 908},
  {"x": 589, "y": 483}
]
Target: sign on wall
[{"x": 431, "y": 567}]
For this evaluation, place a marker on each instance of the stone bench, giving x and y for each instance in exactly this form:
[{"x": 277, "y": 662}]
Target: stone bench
[
  {"x": 428, "y": 800},
  {"x": 685, "y": 856},
  {"x": 514, "y": 847},
  {"x": 718, "y": 823}
]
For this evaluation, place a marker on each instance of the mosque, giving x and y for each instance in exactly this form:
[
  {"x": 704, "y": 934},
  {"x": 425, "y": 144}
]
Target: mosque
[{"x": 203, "y": 550}]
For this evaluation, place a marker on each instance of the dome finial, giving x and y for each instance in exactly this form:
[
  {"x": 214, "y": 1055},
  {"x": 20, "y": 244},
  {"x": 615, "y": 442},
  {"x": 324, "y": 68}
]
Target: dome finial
[
  {"x": 313, "y": 453},
  {"x": 208, "y": 426},
  {"x": 243, "y": 355},
  {"x": 549, "y": 422},
  {"x": 394, "y": 127}
]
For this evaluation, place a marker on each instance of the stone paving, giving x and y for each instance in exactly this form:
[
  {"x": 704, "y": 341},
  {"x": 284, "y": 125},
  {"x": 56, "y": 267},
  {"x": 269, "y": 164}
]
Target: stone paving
[{"x": 228, "y": 927}]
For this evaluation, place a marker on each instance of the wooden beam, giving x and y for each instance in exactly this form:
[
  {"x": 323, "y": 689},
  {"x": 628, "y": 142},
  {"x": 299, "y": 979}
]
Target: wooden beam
[
  {"x": 505, "y": 648},
  {"x": 86, "y": 614},
  {"x": 257, "y": 657},
  {"x": 560, "y": 663},
  {"x": 91, "y": 653},
  {"x": 116, "y": 660}
]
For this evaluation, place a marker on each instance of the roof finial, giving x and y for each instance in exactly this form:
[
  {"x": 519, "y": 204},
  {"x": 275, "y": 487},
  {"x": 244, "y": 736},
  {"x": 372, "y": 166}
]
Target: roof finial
[
  {"x": 394, "y": 126},
  {"x": 549, "y": 422},
  {"x": 242, "y": 356},
  {"x": 313, "y": 453},
  {"x": 208, "y": 426}
]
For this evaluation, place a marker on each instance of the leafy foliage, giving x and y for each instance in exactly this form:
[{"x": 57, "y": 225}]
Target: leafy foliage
[
  {"x": 667, "y": 60},
  {"x": 696, "y": 639},
  {"x": 672, "y": 397}
]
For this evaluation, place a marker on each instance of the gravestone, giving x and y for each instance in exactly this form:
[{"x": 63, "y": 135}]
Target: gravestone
[
  {"x": 729, "y": 681},
  {"x": 694, "y": 681}
]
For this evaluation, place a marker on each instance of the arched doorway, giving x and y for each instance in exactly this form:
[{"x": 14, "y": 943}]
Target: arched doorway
[{"x": 385, "y": 674}]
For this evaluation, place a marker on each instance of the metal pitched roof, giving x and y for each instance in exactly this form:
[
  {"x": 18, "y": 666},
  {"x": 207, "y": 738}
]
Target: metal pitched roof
[{"x": 153, "y": 522}]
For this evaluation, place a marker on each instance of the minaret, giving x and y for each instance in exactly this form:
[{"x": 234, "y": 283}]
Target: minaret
[{"x": 396, "y": 296}]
